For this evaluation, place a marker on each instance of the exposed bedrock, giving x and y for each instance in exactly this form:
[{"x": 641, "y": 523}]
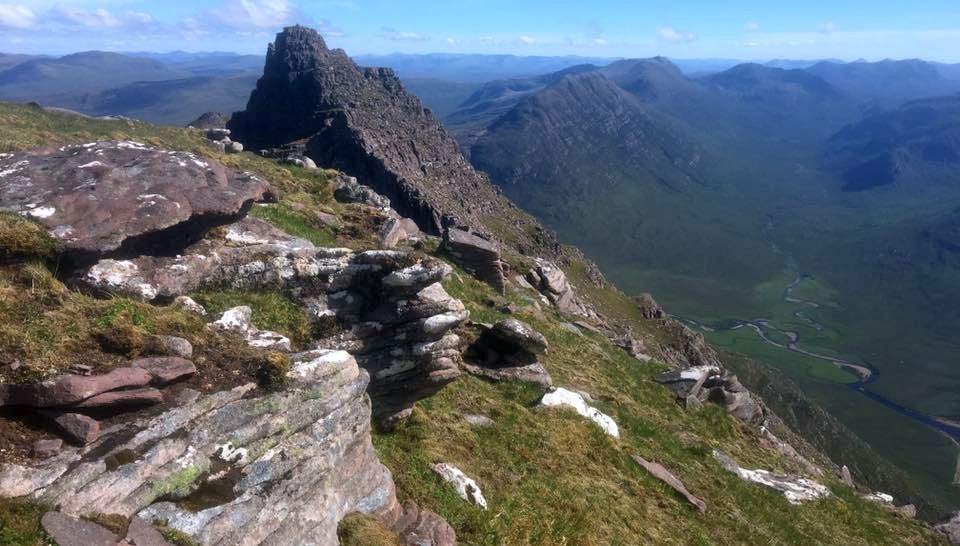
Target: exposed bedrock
[
  {"x": 238, "y": 467},
  {"x": 123, "y": 198},
  {"x": 386, "y": 307}
]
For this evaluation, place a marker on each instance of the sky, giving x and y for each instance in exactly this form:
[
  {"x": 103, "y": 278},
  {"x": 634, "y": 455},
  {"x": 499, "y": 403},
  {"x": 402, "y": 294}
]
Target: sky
[{"x": 684, "y": 29}]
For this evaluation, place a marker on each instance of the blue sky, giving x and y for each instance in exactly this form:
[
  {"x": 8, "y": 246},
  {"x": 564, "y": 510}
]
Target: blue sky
[{"x": 741, "y": 29}]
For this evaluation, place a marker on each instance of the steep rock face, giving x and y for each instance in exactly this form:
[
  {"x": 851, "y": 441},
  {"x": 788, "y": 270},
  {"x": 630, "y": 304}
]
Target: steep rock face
[
  {"x": 362, "y": 121},
  {"x": 255, "y": 468},
  {"x": 385, "y": 307},
  {"x": 123, "y": 198}
]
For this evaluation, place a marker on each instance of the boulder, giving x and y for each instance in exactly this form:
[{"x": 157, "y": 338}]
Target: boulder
[
  {"x": 123, "y": 198},
  {"x": 717, "y": 385},
  {"x": 418, "y": 527},
  {"x": 391, "y": 233},
  {"x": 218, "y": 134},
  {"x": 478, "y": 256},
  {"x": 165, "y": 369},
  {"x": 78, "y": 429},
  {"x": 65, "y": 390},
  {"x": 951, "y": 528},
  {"x": 551, "y": 281},
  {"x": 661, "y": 473},
  {"x": 71, "y": 531},
  {"x": 477, "y": 420},
  {"x": 846, "y": 476},
  {"x": 188, "y": 304},
  {"x": 521, "y": 335},
  {"x": 175, "y": 346},
  {"x": 233, "y": 148}
]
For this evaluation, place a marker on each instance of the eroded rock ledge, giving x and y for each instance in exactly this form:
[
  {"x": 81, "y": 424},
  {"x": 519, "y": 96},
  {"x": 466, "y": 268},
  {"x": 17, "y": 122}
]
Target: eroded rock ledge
[{"x": 386, "y": 307}]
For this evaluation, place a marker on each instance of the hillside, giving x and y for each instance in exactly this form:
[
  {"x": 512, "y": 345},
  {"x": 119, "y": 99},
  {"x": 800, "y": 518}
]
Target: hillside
[
  {"x": 264, "y": 433},
  {"x": 766, "y": 211}
]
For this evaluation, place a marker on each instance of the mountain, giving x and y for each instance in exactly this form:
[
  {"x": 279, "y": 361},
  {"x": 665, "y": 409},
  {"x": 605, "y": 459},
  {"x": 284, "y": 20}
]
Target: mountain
[
  {"x": 888, "y": 80},
  {"x": 362, "y": 356},
  {"x": 79, "y": 73},
  {"x": 166, "y": 102},
  {"x": 474, "y": 67},
  {"x": 918, "y": 143},
  {"x": 8, "y": 61},
  {"x": 727, "y": 194}
]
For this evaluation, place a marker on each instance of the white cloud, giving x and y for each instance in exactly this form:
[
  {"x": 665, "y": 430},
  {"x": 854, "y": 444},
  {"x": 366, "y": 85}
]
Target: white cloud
[
  {"x": 826, "y": 27},
  {"x": 16, "y": 16},
  {"x": 99, "y": 18},
  {"x": 599, "y": 41},
  {"x": 453, "y": 41},
  {"x": 675, "y": 36},
  {"x": 525, "y": 40},
  {"x": 256, "y": 14},
  {"x": 393, "y": 34},
  {"x": 753, "y": 26}
]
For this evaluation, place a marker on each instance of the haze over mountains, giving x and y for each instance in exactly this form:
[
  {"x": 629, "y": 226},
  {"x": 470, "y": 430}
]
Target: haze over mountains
[{"x": 724, "y": 188}]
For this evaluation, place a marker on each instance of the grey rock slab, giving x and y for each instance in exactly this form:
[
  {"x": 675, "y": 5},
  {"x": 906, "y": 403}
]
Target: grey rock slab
[
  {"x": 661, "y": 473},
  {"x": 46, "y": 448},
  {"x": 71, "y": 531},
  {"x": 520, "y": 334}
]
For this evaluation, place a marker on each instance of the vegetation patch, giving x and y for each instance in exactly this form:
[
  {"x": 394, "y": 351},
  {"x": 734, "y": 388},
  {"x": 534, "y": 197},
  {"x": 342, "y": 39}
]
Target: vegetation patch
[{"x": 363, "y": 530}]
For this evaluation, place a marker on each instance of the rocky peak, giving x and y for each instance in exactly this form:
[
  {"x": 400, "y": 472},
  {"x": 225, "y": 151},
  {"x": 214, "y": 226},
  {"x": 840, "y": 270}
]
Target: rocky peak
[{"x": 361, "y": 121}]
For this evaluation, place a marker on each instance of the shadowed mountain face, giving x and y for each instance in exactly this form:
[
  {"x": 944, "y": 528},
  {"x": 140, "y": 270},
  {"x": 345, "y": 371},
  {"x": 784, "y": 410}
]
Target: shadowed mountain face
[
  {"x": 890, "y": 81},
  {"x": 917, "y": 143}
]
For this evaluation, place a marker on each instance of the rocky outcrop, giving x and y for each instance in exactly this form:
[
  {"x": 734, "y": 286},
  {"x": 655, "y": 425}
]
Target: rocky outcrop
[
  {"x": 362, "y": 122},
  {"x": 210, "y": 120},
  {"x": 951, "y": 529},
  {"x": 701, "y": 384},
  {"x": 551, "y": 282},
  {"x": 385, "y": 307},
  {"x": 234, "y": 467},
  {"x": 508, "y": 350},
  {"x": 122, "y": 198},
  {"x": 477, "y": 255},
  {"x": 346, "y": 189}
]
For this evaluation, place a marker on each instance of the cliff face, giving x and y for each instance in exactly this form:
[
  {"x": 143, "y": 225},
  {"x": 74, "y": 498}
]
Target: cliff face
[{"x": 361, "y": 121}]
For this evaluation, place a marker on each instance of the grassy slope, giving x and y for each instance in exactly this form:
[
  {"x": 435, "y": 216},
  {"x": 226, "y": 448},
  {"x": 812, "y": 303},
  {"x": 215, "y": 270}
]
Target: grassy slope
[{"x": 550, "y": 476}]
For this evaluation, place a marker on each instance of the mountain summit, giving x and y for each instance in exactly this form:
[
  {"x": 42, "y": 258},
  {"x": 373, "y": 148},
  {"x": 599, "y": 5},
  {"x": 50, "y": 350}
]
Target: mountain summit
[{"x": 362, "y": 121}]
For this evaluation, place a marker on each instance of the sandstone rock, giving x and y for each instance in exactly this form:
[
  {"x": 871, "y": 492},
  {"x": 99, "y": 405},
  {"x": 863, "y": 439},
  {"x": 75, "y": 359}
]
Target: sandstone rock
[
  {"x": 141, "y": 533},
  {"x": 551, "y": 281},
  {"x": 795, "y": 488},
  {"x": 234, "y": 148},
  {"x": 466, "y": 487},
  {"x": 128, "y": 397},
  {"x": 46, "y": 448},
  {"x": 70, "y": 389},
  {"x": 714, "y": 384},
  {"x": 478, "y": 256},
  {"x": 165, "y": 369},
  {"x": 391, "y": 233},
  {"x": 175, "y": 346},
  {"x": 908, "y": 511},
  {"x": 238, "y": 320},
  {"x": 564, "y": 397},
  {"x": 386, "y": 307},
  {"x": 288, "y": 465},
  {"x": 664, "y": 475},
  {"x": 122, "y": 198},
  {"x": 530, "y": 373},
  {"x": 71, "y": 531},
  {"x": 520, "y": 334},
  {"x": 78, "y": 429},
  {"x": 649, "y": 308},
  {"x": 309, "y": 164}
]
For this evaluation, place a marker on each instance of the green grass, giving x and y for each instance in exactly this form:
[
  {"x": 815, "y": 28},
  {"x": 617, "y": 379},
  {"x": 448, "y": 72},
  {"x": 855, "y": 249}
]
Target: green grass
[
  {"x": 271, "y": 310},
  {"x": 20, "y": 524},
  {"x": 296, "y": 224}
]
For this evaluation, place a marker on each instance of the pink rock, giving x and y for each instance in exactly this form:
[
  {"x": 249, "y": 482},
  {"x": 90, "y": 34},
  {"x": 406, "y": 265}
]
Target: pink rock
[
  {"x": 165, "y": 369},
  {"x": 79, "y": 429},
  {"x": 133, "y": 397},
  {"x": 70, "y": 531},
  {"x": 70, "y": 389}
]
